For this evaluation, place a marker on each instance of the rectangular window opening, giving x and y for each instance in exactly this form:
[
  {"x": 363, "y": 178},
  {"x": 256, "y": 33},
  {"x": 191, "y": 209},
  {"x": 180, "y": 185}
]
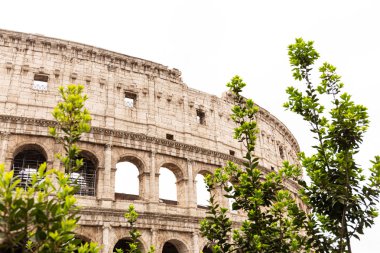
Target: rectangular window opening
[
  {"x": 40, "y": 82},
  {"x": 201, "y": 117},
  {"x": 232, "y": 152},
  {"x": 130, "y": 99},
  {"x": 170, "y": 137}
]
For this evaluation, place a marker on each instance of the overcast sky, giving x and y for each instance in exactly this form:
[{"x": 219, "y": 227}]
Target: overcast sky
[{"x": 210, "y": 41}]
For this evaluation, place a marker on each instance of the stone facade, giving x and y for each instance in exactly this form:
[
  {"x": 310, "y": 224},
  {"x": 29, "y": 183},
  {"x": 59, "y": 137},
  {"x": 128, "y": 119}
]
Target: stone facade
[{"x": 142, "y": 113}]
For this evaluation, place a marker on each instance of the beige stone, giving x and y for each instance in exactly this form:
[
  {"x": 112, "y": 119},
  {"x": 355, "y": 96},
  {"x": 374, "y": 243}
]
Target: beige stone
[{"x": 137, "y": 107}]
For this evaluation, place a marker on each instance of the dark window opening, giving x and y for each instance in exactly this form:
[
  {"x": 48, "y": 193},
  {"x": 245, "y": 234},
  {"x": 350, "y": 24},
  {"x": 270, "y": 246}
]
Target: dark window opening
[
  {"x": 130, "y": 99},
  {"x": 123, "y": 244},
  {"x": 25, "y": 164},
  {"x": 232, "y": 152},
  {"x": 271, "y": 168},
  {"x": 281, "y": 153},
  {"x": 206, "y": 250},
  {"x": 201, "y": 117},
  {"x": 170, "y": 137},
  {"x": 85, "y": 178},
  {"x": 169, "y": 248},
  {"x": 40, "y": 82}
]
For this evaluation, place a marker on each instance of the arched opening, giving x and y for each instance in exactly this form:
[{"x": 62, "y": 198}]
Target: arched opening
[
  {"x": 167, "y": 186},
  {"x": 127, "y": 180},
  {"x": 26, "y": 163},
  {"x": 203, "y": 196},
  {"x": 169, "y": 248},
  {"x": 206, "y": 250},
  {"x": 85, "y": 177},
  {"x": 124, "y": 245},
  {"x": 174, "y": 246}
]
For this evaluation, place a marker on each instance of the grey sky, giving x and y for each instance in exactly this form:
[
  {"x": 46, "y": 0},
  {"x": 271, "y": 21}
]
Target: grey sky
[{"x": 210, "y": 41}]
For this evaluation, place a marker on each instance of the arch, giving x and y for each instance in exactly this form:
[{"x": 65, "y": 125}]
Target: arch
[
  {"x": 26, "y": 162},
  {"x": 134, "y": 159},
  {"x": 206, "y": 249},
  {"x": 203, "y": 196},
  {"x": 31, "y": 146},
  {"x": 168, "y": 187},
  {"x": 123, "y": 244},
  {"x": 128, "y": 180},
  {"x": 86, "y": 177},
  {"x": 175, "y": 168},
  {"x": 174, "y": 246}
]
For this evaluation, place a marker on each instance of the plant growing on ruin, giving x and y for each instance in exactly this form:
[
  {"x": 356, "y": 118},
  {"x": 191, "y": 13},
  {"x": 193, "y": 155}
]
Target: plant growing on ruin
[
  {"x": 43, "y": 217},
  {"x": 274, "y": 222},
  {"x": 131, "y": 215},
  {"x": 343, "y": 200}
]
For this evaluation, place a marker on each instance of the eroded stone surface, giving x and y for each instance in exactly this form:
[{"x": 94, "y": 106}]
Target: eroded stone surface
[{"x": 142, "y": 113}]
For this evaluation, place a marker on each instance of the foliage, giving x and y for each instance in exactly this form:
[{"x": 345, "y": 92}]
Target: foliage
[
  {"x": 274, "y": 221},
  {"x": 42, "y": 217},
  {"x": 339, "y": 194},
  {"x": 73, "y": 120},
  {"x": 131, "y": 215}
]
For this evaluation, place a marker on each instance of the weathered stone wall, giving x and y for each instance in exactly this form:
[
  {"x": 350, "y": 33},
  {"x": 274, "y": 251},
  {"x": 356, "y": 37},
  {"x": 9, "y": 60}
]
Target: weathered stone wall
[{"x": 162, "y": 105}]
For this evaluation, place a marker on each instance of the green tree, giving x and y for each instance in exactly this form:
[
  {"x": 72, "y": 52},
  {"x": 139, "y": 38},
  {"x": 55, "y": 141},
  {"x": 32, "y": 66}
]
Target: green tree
[
  {"x": 274, "y": 221},
  {"x": 43, "y": 217},
  {"x": 131, "y": 215},
  {"x": 341, "y": 197}
]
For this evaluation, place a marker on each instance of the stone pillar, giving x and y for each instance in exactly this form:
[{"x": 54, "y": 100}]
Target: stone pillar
[
  {"x": 4, "y": 138},
  {"x": 191, "y": 188},
  {"x": 182, "y": 192},
  {"x": 195, "y": 242},
  {"x": 108, "y": 190},
  {"x": 153, "y": 239},
  {"x": 154, "y": 174},
  {"x": 106, "y": 237},
  {"x": 144, "y": 185}
]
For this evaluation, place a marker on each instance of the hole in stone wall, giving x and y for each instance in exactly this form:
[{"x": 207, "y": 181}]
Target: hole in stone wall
[
  {"x": 130, "y": 99},
  {"x": 40, "y": 82},
  {"x": 203, "y": 195},
  {"x": 170, "y": 137},
  {"x": 25, "y": 164},
  {"x": 282, "y": 152},
  {"x": 167, "y": 185},
  {"x": 85, "y": 178},
  {"x": 232, "y": 152},
  {"x": 201, "y": 117},
  {"x": 126, "y": 178}
]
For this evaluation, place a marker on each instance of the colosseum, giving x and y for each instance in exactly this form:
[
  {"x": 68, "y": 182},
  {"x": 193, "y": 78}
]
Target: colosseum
[{"x": 144, "y": 116}]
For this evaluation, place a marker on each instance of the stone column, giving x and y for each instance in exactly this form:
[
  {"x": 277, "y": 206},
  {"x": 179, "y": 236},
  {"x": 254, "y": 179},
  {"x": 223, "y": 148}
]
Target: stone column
[
  {"x": 108, "y": 189},
  {"x": 154, "y": 174},
  {"x": 195, "y": 242},
  {"x": 182, "y": 192},
  {"x": 191, "y": 188},
  {"x": 4, "y": 138},
  {"x": 153, "y": 238},
  {"x": 106, "y": 237},
  {"x": 144, "y": 185}
]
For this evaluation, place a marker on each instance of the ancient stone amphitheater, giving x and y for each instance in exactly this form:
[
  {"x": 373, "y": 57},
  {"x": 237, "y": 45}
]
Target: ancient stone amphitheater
[{"x": 143, "y": 114}]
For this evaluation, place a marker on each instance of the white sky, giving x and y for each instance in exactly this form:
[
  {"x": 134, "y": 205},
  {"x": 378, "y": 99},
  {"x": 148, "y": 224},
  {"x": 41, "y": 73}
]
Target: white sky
[{"x": 210, "y": 41}]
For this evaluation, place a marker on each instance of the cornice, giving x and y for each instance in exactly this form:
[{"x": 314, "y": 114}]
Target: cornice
[{"x": 112, "y": 60}]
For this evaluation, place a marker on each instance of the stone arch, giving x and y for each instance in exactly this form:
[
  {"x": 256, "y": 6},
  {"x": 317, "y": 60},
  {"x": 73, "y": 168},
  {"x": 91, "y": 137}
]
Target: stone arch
[
  {"x": 179, "y": 181},
  {"x": 124, "y": 241},
  {"x": 138, "y": 163},
  {"x": 175, "y": 168},
  {"x": 87, "y": 176},
  {"x": 30, "y": 145},
  {"x": 26, "y": 160},
  {"x": 202, "y": 195},
  {"x": 174, "y": 246}
]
